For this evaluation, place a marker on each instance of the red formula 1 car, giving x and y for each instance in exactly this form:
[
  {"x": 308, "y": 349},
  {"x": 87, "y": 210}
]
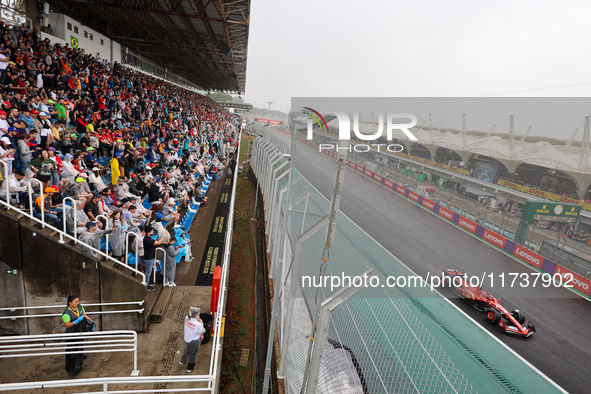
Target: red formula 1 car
[{"x": 512, "y": 322}]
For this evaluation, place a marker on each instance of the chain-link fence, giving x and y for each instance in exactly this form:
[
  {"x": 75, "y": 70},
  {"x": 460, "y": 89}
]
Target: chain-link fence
[{"x": 380, "y": 339}]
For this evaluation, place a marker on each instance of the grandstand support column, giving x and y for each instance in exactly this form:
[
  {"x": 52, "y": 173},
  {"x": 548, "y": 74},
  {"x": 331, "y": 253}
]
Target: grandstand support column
[
  {"x": 323, "y": 322},
  {"x": 431, "y": 133},
  {"x": 464, "y": 133},
  {"x": 332, "y": 217},
  {"x": 512, "y": 137},
  {"x": 584, "y": 157}
]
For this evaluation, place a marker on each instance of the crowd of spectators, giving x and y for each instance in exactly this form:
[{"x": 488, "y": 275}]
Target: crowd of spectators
[
  {"x": 565, "y": 188},
  {"x": 106, "y": 136}
]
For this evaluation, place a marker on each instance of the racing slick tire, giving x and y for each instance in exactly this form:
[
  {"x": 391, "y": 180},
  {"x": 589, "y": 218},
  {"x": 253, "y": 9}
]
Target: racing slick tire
[{"x": 492, "y": 316}]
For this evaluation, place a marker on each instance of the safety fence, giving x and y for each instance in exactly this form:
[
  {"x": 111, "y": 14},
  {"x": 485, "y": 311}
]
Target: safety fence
[
  {"x": 370, "y": 339},
  {"x": 579, "y": 282}
]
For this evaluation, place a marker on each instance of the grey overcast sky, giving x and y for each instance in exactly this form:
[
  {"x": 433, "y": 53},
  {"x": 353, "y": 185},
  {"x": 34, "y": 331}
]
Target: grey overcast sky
[{"x": 417, "y": 48}]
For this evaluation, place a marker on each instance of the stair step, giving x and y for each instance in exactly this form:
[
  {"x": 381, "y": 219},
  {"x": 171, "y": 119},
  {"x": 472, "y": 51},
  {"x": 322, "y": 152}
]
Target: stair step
[{"x": 161, "y": 305}]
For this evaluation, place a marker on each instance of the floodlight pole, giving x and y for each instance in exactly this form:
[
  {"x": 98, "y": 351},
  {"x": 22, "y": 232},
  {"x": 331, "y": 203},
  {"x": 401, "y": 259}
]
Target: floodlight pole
[{"x": 332, "y": 222}]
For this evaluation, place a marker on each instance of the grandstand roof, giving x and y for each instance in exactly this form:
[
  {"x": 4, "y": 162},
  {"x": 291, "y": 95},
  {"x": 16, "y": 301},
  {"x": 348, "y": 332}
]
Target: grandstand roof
[{"x": 203, "y": 41}]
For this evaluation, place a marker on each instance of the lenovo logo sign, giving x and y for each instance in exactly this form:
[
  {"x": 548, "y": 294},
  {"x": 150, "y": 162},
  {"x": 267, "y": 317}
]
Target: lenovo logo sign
[
  {"x": 574, "y": 280},
  {"x": 467, "y": 224},
  {"x": 446, "y": 213},
  {"x": 528, "y": 256},
  {"x": 429, "y": 204},
  {"x": 494, "y": 239}
]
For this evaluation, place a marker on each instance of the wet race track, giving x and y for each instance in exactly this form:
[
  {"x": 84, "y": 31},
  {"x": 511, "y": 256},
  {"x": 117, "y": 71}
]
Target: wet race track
[{"x": 561, "y": 347}]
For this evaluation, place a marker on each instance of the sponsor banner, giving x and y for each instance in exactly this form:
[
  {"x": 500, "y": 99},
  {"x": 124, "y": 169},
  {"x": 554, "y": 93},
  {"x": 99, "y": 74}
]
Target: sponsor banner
[
  {"x": 389, "y": 183},
  {"x": 400, "y": 189},
  {"x": 510, "y": 246},
  {"x": 549, "y": 266},
  {"x": 368, "y": 173},
  {"x": 353, "y": 165},
  {"x": 429, "y": 204},
  {"x": 446, "y": 213},
  {"x": 268, "y": 121},
  {"x": 543, "y": 194},
  {"x": 361, "y": 169},
  {"x": 577, "y": 281},
  {"x": 378, "y": 178},
  {"x": 528, "y": 256},
  {"x": 413, "y": 196},
  {"x": 434, "y": 163},
  {"x": 494, "y": 238}
]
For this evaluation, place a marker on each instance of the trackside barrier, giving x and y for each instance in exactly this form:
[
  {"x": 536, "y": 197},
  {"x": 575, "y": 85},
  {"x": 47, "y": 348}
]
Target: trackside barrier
[
  {"x": 532, "y": 258},
  {"x": 51, "y": 345}
]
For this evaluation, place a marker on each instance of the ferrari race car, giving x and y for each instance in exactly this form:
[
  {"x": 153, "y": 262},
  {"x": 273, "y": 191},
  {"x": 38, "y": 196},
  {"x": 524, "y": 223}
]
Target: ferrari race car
[{"x": 512, "y": 322}]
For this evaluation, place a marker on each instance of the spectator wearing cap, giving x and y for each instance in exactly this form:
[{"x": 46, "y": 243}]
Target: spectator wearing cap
[
  {"x": 169, "y": 212},
  {"x": 89, "y": 160},
  {"x": 68, "y": 145},
  {"x": 92, "y": 208},
  {"x": 45, "y": 132},
  {"x": 17, "y": 186},
  {"x": 7, "y": 154},
  {"x": 96, "y": 179},
  {"x": 78, "y": 190},
  {"x": 115, "y": 168},
  {"x": 92, "y": 236},
  {"x": 25, "y": 116},
  {"x": 43, "y": 202}
]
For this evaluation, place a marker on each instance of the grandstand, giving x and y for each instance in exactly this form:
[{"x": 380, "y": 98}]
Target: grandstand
[{"x": 97, "y": 150}]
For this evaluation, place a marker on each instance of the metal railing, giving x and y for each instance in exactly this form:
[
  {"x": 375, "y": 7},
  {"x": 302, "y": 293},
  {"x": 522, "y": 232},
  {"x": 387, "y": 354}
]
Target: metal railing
[
  {"x": 20, "y": 308},
  {"x": 51, "y": 345},
  {"x": 215, "y": 361},
  {"x": 63, "y": 234},
  {"x": 74, "y": 206}
]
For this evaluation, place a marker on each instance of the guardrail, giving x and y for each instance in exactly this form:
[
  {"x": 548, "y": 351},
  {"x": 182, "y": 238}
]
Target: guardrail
[
  {"x": 14, "y": 309},
  {"x": 51, "y": 345},
  {"x": 62, "y": 234}
]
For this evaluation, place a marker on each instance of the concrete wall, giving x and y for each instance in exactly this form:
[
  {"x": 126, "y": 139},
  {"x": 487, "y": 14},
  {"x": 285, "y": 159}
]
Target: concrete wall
[
  {"x": 116, "y": 287},
  {"x": 49, "y": 272},
  {"x": 11, "y": 286},
  {"x": 109, "y": 49}
]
